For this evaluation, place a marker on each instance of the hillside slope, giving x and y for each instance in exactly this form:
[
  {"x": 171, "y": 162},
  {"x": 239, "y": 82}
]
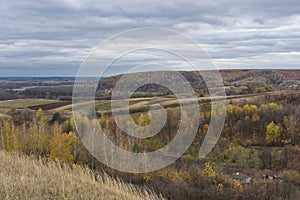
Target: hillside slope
[
  {"x": 252, "y": 80},
  {"x": 25, "y": 178}
]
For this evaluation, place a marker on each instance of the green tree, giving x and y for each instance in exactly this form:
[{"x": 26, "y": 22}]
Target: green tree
[{"x": 152, "y": 144}]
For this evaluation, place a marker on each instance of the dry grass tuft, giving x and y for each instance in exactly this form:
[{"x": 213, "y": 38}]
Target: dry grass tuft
[{"x": 24, "y": 178}]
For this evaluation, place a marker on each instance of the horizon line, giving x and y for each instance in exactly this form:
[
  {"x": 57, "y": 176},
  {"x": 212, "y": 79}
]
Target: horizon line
[{"x": 70, "y": 76}]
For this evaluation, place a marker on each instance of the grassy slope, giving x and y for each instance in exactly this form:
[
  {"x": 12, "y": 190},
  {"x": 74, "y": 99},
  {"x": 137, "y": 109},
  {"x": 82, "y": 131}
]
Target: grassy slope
[{"x": 24, "y": 178}]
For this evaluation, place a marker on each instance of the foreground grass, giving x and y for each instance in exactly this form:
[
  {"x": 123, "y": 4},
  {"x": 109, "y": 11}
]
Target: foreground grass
[{"x": 25, "y": 178}]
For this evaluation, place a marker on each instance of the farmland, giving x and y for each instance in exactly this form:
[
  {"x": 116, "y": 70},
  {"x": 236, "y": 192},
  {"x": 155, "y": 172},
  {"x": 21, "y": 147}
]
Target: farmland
[{"x": 21, "y": 103}]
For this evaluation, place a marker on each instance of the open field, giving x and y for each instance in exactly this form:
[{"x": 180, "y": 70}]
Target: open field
[
  {"x": 21, "y": 103},
  {"x": 135, "y": 104},
  {"x": 50, "y": 106}
]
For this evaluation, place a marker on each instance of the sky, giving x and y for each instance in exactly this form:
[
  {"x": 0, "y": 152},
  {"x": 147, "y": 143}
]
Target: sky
[{"x": 53, "y": 38}]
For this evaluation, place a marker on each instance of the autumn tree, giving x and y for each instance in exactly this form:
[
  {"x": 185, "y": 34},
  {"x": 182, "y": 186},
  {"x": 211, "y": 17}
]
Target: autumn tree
[
  {"x": 208, "y": 171},
  {"x": 9, "y": 140},
  {"x": 61, "y": 145},
  {"x": 36, "y": 141},
  {"x": 143, "y": 119},
  {"x": 273, "y": 133},
  {"x": 69, "y": 125},
  {"x": 292, "y": 122},
  {"x": 39, "y": 115}
]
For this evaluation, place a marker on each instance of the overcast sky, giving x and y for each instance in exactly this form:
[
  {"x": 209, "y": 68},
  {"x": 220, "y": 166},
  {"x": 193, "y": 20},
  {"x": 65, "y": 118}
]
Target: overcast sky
[{"x": 52, "y": 38}]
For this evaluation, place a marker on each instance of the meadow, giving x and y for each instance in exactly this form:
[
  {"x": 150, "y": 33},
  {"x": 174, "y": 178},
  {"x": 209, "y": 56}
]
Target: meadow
[{"x": 23, "y": 177}]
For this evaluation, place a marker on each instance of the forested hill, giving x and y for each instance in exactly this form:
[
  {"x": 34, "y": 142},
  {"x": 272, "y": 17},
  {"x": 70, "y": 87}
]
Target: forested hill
[{"x": 236, "y": 82}]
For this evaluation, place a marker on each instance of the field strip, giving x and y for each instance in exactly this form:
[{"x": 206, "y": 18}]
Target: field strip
[{"x": 21, "y": 103}]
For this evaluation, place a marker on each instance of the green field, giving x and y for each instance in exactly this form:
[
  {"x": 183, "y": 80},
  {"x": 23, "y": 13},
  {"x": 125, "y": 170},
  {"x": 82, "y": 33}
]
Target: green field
[
  {"x": 5, "y": 107},
  {"x": 22, "y": 103}
]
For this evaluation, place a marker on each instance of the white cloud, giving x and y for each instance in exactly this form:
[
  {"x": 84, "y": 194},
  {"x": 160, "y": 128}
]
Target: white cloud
[{"x": 235, "y": 33}]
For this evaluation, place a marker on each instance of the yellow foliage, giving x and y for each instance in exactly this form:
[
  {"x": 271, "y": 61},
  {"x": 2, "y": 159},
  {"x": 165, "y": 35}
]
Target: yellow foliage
[
  {"x": 148, "y": 177},
  {"x": 37, "y": 142},
  {"x": 220, "y": 186},
  {"x": 40, "y": 115},
  {"x": 250, "y": 109},
  {"x": 205, "y": 128},
  {"x": 237, "y": 185},
  {"x": 238, "y": 110},
  {"x": 165, "y": 174},
  {"x": 208, "y": 171},
  {"x": 61, "y": 146},
  {"x": 177, "y": 176},
  {"x": 230, "y": 109},
  {"x": 274, "y": 106},
  {"x": 72, "y": 123},
  {"x": 273, "y": 133},
  {"x": 9, "y": 141},
  {"x": 144, "y": 119}
]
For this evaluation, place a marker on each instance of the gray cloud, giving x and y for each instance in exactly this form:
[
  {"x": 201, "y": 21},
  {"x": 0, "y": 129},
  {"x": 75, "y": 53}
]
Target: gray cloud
[{"x": 54, "y": 37}]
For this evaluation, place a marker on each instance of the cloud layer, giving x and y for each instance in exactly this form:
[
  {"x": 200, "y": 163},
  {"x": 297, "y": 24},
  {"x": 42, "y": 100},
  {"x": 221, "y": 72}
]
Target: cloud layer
[{"x": 52, "y": 38}]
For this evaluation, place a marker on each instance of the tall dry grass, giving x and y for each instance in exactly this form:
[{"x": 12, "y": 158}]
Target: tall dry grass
[{"x": 24, "y": 178}]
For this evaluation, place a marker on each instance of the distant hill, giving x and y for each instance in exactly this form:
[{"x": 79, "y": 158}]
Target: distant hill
[{"x": 235, "y": 81}]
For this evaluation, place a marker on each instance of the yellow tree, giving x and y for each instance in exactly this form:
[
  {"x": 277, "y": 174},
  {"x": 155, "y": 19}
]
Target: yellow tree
[
  {"x": 69, "y": 125},
  {"x": 144, "y": 119},
  {"x": 61, "y": 146},
  {"x": 249, "y": 109},
  {"x": 9, "y": 140},
  {"x": 36, "y": 141},
  {"x": 40, "y": 115},
  {"x": 273, "y": 133},
  {"x": 208, "y": 171}
]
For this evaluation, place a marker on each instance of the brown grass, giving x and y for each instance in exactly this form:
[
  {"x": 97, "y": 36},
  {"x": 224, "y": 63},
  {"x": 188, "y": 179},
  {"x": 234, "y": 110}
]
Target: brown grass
[{"x": 25, "y": 178}]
